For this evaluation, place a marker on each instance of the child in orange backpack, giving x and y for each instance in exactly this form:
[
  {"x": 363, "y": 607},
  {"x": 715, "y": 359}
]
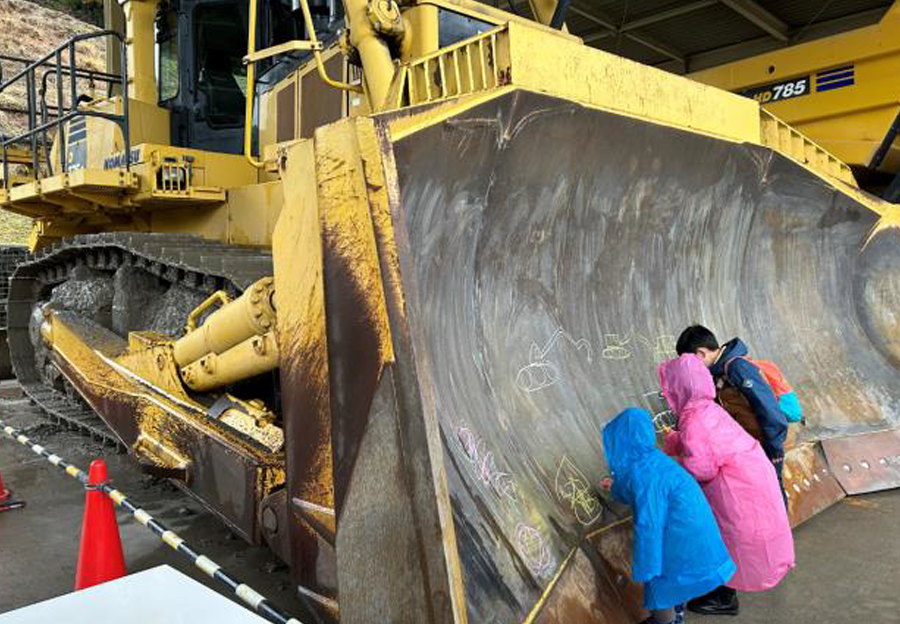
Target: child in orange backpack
[
  {"x": 730, "y": 366},
  {"x": 738, "y": 480}
]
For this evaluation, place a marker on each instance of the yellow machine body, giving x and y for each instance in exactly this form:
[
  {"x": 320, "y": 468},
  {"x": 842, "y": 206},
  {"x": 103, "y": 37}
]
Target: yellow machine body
[
  {"x": 841, "y": 91},
  {"x": 225, "y": 198},
  {"x": 383, "y": 339}
]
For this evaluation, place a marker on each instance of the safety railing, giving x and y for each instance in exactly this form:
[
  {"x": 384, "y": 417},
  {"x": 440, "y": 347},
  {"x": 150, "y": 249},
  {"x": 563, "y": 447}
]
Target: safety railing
[
  {"x": 467, "y": 67},
  {"x": 39, "y": 121},
  {"x": 92, "y": 76},
  {"x": 782, "y": 137}
]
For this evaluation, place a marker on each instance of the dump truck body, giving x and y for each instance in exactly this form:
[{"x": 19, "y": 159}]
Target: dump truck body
[{"x": 839, "y": 90}]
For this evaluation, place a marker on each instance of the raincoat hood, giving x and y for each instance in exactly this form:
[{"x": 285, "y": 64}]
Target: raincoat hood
[
  {"x": 730, "y": 350},
  {"x": 737, "y": 478},
  {"x": 686, "y": 380},
  {"x": 627, "y": 438},
  {"x": 678, "y": 552}
]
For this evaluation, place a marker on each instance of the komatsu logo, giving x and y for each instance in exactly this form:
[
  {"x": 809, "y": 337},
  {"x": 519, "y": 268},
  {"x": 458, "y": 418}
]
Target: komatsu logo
[{"x": 117, "y": 161}]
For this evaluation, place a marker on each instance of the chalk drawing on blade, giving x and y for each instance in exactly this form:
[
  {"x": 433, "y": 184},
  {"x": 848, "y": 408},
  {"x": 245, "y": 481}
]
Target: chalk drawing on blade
[
  {"x": 662, "y": 348},
  {"x": 663, "y": 418},
  {"x": 530, "y": 543},
  {"x": 485, "y": 466},
  {"x": 623, "y": 346},
  {"x": 533, "y": 549},
  {"x": 542, "y": 373},
  {"x": 617, "y": 346},
  {"x": 573, "y": 489},
  {"x": 664, "y": 421}
]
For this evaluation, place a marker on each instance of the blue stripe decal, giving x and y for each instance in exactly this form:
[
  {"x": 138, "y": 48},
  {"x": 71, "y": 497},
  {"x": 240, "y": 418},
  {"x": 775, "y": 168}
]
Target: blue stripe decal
[
  {"x": 841, "y": 76},
  {"x": 834, "y": 85},
  {"x": 834, "y": 71}
]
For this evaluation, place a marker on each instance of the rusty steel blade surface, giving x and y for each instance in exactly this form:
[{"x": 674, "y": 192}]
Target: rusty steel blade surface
[
  {"x": 865, "y": 463},
  {"x": 550, "y": 256},
  {"x": 809, "y": 483}
]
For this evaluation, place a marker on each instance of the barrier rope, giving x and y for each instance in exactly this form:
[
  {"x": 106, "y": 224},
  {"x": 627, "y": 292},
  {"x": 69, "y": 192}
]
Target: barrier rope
[{"x": 247, "y": 594}]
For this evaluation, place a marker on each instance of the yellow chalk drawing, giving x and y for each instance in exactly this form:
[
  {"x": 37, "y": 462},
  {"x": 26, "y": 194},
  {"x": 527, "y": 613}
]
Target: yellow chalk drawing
[
  {"x": 540, "y": 373},
  {"x": 573, "y": 489},
  {"x": 617, "y": 346}
]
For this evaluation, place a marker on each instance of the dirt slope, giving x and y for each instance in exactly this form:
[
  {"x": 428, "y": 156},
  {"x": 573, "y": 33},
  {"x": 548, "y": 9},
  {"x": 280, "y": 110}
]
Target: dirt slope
[{"x": 30, "y": 31}]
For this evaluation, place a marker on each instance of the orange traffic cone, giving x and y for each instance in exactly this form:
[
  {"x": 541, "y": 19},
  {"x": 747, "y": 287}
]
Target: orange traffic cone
[
  {"x": 100, "y": 555},
  {"x": 7, "y": 502}
]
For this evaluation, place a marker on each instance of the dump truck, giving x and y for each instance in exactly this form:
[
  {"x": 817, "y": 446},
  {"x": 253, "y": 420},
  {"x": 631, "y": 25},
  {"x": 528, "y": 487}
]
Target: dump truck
[
  {"x": 839, "y": 90},
  {"x": 368, "y": 278}
]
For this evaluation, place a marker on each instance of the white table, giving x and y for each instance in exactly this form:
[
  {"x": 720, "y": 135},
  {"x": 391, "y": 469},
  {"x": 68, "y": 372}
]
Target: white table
[{"x": 161, "y": 595}]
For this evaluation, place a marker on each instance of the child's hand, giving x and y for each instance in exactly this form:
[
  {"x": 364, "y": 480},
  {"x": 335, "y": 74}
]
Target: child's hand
[
  {"x": 672, "y": 445},
  {"x": 606, "y": 484}
]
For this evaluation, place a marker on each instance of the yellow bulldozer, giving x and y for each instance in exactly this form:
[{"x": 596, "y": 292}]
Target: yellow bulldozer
[{"x": 367, "y": 278}]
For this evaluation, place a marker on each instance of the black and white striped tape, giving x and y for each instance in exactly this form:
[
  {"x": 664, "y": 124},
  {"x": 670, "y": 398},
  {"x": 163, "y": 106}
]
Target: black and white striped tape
[{"x": 247, "y": 594}]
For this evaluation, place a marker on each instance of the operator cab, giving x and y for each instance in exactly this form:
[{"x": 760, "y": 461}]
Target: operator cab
[{"x": 201, "y": 77}]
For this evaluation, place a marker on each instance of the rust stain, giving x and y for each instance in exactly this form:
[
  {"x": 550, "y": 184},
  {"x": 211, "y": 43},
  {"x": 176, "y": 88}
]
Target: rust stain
[
  {"x": 585, "y": 594},
  {"x": 809, "y": 483},
  {"x": 861, "y": 503},
  {"x": 347, "y": 189}
]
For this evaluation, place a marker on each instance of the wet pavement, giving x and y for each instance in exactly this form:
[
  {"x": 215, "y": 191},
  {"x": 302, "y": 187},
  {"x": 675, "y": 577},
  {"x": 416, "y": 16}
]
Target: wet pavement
[
  {"x": 39, "y": 544},
  {"x": 847, "y": 557},
  {"x": 848, "y": 569}
]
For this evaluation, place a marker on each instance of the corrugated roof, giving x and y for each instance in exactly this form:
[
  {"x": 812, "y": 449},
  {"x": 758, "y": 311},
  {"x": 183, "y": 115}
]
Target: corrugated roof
[
  {"x": 670, "y": 34},
  {"x": 702, "y": 30},
  {"x": 800, "y": 12}
]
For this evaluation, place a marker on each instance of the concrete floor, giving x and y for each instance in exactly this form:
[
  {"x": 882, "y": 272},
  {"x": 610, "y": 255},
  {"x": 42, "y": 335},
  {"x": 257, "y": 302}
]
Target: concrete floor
[
  {"x": 848, "y": 557},
  {"x": 39, "y": 544},
  {"x": 848, "y": 569}
]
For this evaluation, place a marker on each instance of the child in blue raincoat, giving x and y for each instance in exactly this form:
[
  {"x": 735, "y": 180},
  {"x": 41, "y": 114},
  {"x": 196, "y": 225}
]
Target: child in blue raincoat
[{"x": 678, "y": 551}]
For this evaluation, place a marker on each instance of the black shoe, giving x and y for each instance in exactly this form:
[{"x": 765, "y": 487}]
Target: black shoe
[{"x": 715, "y": 603}]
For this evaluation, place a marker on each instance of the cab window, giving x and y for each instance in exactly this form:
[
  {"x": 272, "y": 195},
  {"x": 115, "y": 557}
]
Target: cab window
[{"x": 221, "y": 77}]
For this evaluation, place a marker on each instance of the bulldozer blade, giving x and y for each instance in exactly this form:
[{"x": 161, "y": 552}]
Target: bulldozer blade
[
  {"x": 866, "y": 463},
  {"x": 550, "y": 253},
  {"x": 809, "y": 484}
]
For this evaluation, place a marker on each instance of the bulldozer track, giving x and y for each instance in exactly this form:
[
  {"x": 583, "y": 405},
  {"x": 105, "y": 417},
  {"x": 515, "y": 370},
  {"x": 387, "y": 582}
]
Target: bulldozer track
[
  {"x": 11, "y": 256},
  {"x": 58, "y": 411},
  {"x": 191, "y": 261}
]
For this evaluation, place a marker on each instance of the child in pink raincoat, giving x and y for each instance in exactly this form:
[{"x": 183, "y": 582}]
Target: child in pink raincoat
[{"x": 737, "y": 478}]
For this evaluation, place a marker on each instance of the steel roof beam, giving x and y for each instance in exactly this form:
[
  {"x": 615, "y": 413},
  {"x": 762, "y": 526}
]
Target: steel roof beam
[
  {"x": 760, "y": 45},
  {"x": 598, "y": 36},
  {"x": 612, "y": 30},
  {"x": 604, "y": 22},
  {"x": 658, "y": 46},
  {"x": 655, "y": 18},
  {"x": 760, "y": 17}
]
